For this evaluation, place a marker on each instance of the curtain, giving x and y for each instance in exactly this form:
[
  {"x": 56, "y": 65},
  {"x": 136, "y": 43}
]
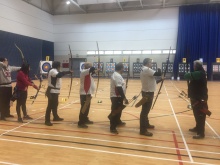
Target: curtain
[{"x": 198, "y": 35}]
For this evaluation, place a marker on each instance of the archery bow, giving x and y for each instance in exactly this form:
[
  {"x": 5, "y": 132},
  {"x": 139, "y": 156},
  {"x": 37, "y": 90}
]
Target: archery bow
[
  {"x": 39, "y": 87},
  {"x": 71, "y": 68},
  {"x": 128, "y": 74},
  {"x": 22, "y": 55},
  {"x": 98, "y": 68},
  {"x": 187, "y": 66},
  {"x": 162, "y": 79}
]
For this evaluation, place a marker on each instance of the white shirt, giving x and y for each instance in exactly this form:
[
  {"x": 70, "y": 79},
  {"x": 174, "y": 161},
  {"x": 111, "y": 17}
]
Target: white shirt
[
  {"x": 86, "y": 80},
  {"x": 53, "y": 73},
  {"x": 148, "y": 80},
  {"x": 116, "y": 81}
]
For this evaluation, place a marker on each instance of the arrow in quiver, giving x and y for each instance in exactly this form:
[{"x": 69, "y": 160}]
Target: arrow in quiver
[
  {"x": 144, "y": 99},
  {"x": 203, "y": 107},
  {"x": 120, "y": 108}
]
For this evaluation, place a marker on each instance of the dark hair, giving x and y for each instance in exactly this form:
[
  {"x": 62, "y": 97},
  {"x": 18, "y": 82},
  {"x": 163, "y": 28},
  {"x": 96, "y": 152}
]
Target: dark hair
[
  {"x": 56, "y": 64},
  {"x": 2, "y": 59},
  {"x": 119, "y": 66},
  {"x": 25, "y": 68},
  {"x": 147, "y": 61}
]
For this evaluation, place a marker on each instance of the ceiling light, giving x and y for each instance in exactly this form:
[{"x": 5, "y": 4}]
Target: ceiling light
[{"x": 67, "y": 2}]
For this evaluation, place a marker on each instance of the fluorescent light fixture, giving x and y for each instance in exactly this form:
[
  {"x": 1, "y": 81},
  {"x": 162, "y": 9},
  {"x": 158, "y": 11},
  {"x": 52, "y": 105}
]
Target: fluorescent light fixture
[
  {"x": 174, "y": 51},
  {"x": 146, "y": 52},
  {"x": 136, "y": 52},
  {"x": 156, "y": 51},
  {"x": 99, "y": 52},
  {"x": 90, "y": 52},
  {"x": 108, "y": 52},
  {"x": 167, "y": 51},
  {"x": 127, "y": 52},
  {"x": 117, "y": 52},
  {"x": 67, "y": 2}
]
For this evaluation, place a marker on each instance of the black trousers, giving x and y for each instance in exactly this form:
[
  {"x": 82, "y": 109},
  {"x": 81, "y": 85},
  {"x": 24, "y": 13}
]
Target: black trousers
[
  {"x": 144, "y": 121},
  {"x": 200, "y": 118},
  {"x": 5, "y": 96},
  {"x": 52, "y": 106},
  {"x": 116, "y": 119},
  {"x": 21, "y": 103},
  {"x": 83, "y": 118}
]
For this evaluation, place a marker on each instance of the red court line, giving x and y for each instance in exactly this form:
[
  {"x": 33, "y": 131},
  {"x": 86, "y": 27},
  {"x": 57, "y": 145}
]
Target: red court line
[
  {"x": 61, "y": 130},
  {"x": 177, "y": 147}
]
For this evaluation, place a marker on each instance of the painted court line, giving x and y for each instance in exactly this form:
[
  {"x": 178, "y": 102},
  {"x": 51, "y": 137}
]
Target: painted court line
[
  {"x": 206, "y": 121},
  {"x": 8, "y": 163},
  {"x": 102, "y": 151},
  {"x": 33, "y": 120},
  {"x": 177, "y": 122},
  {"x": 213, "y": 130}
]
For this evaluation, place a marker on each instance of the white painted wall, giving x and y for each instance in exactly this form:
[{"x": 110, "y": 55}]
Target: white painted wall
[
  {"x": 21, "y": 18},
  {"x": 132, "y": 30},
  {"x": 129, "y": 30}
]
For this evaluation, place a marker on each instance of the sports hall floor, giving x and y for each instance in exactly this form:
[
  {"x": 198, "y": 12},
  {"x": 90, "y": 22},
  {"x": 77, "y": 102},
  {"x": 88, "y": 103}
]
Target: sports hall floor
[{"x": 63, "y": 143}]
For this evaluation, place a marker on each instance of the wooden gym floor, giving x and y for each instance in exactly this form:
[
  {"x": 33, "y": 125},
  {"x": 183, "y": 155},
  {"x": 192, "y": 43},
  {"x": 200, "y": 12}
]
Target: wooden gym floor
[{"x": 34, "y": 143}]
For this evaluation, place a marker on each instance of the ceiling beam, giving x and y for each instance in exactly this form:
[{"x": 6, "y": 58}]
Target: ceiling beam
[
  {"x": 119, "y": 4},
  {"x": 141, "y": 4},
  {"x": 77, "y": 5}
]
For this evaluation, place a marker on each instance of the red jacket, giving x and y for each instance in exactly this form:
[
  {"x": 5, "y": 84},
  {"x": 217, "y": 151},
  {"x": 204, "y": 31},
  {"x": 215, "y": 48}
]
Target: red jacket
[{"x": 23, "y": 81}]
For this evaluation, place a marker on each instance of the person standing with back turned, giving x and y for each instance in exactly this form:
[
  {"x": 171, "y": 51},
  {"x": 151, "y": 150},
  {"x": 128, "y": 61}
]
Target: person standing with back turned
[
  {"x": 5, "y": 87},
  {"x": 87, "y": 88},
  {"x": 117, "y": 94},
  {"x": 149, "y": 83},
  {"x": 53, "y": 91},
  {"x": 198, "y": 94}
]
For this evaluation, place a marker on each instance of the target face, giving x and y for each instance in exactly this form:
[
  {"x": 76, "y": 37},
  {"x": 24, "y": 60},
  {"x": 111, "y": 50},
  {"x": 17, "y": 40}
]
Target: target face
[{"x": 46, "y": 67}]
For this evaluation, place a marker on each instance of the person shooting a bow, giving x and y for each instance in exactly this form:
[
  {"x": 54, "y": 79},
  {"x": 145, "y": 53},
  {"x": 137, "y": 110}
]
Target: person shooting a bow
[{"x": 148, "y": 83}]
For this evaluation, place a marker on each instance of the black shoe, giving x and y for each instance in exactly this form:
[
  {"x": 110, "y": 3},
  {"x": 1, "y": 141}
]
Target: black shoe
[
  {"x": 121, "y": 124},
  {"x": 199, "y": 137},
  {"x": 146, "y": 133},
  {"x": 20, "y": 120},
  {"x": 82, "y": 126},
  {"x": 114, "y": 131},
  {"x": 9, "y": 116},
  {"x": 151, "y": 126},
  {"x": 58, "y": 119},
  {"x": 48, "y": 123},
  {"x": 27, "y": 117},
  {"x": 193, "y": 129},
  {"x": 89, "y": 122}
]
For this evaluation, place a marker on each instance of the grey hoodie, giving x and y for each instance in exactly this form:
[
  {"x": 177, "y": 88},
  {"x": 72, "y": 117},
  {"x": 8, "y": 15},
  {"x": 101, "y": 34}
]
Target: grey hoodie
[{"x": 5, "y": 74}]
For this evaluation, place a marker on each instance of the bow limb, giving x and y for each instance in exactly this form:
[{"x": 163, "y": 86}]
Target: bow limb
[
  {"x": 128, "y": 74},
  {"x": 39, "y": 87},
  {"x": 22, "y": 55},
  {"x": 98, "y": 68},
  {"x": 187, "y": 65},
  {"x": 71, "y": 68},
  {"x": 163, "y": 77}
]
